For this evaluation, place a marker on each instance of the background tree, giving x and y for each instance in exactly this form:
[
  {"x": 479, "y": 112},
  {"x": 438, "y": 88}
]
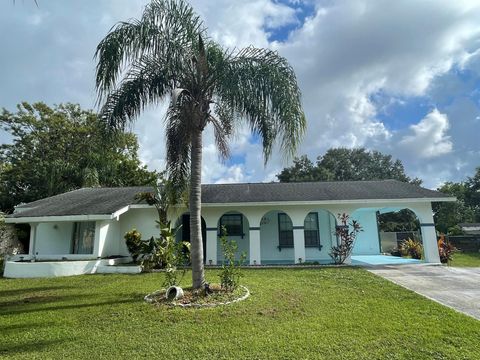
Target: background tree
[
  {"x": 167, "y": 54},
  {"x": 465, "y": 210},
  {"x": 342, "y": 164},
  {"x": 63, "y": 148}
]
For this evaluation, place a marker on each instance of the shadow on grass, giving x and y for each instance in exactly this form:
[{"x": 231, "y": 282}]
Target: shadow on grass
[
  {"x": 40, "y": 299},
  {"x": 32, "y": 289},
  {"x": 10, "y": 311},
  {"x": 19, "y": 328},
  {"x": 26, "y": 347}
]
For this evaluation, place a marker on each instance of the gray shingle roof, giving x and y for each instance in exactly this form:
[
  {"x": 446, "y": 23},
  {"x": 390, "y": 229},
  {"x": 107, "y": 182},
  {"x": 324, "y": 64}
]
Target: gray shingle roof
[{"x": 98, "y": 201}]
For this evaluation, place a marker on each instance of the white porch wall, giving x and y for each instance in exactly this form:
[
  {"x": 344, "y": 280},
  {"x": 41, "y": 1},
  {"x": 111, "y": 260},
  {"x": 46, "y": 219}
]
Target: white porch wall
[
  {"x": 53, "y": 238},
  {"x": 110, "y": 241},
  {"x": 141, "y": 219}
]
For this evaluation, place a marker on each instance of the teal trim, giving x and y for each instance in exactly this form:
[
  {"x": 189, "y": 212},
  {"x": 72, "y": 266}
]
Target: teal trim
[
  {"x": 277, "y": 262},
  {"x": 428, "y": 224},
  {"x": 255, "y": 228},
  {"x": 212, "y": 229}
]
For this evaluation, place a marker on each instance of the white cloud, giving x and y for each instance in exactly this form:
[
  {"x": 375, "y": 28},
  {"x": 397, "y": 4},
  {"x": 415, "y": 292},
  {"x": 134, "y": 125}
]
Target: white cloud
[
  {"x": 343, "y": 54},
  {"x": 429, "y": 138}
]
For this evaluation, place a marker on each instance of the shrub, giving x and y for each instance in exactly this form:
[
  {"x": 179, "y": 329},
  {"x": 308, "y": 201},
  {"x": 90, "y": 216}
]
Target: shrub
[
  {"x": 230, "y": 273},
  {"x": 445, "y": 250},
  {"x": 411, "y": 248},
  {"x": 172, "y": 254},
  {"x": 135, "y": 245},
  {"x": 163, "y": 252},
  {"x": 346, "y": 238}
]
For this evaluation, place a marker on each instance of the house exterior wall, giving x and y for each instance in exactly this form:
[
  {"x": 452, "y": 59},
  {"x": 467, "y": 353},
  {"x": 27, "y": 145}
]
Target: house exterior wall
[
  {"x": 243, "y": 242},
  {"x": 110, "y": 241},
  {"x": 367, "y": 242},
  {"x": 260, "y": 241},
  {"x": 53, "y": 238},
  {"x": 141, "y": 219}
]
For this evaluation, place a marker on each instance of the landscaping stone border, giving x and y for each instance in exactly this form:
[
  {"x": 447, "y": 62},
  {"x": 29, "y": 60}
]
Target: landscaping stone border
[{"x": 150, "y": 299}]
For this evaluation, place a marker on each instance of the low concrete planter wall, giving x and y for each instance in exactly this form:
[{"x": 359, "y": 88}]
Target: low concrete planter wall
[
  {"x": 56, "y": 268},
  {"x": 119, "y": 269}
]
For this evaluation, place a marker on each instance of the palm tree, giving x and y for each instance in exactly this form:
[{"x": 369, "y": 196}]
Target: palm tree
[{"x": 167, "y": 55}]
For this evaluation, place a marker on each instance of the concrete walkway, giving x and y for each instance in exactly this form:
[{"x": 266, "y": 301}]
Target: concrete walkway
[{"x": 458, "y": 288}]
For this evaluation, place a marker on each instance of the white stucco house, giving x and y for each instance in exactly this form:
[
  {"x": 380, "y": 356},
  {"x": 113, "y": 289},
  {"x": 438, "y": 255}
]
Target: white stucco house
[{"x": 274, "y": 223}]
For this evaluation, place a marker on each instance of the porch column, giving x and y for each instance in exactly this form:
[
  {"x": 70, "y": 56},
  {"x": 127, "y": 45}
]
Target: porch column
[
  {"x": 299, "y": 244},
  {"x": 255, "y": 256},
  {"x": 430, "y": 247},
  {"x": 429, "y": 235},
  {"x": 211, "y": 244},
  {"x": 33, "y": 238},
  {"x": 98, "y": 240}
]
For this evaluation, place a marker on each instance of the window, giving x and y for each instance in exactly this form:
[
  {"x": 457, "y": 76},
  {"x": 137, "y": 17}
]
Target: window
[
  {"x": 233, "y": 223},
  {"x": 312, "y": 236},
  {"x": 83, "y": 237},
  {"x": 285, "y": 231}
]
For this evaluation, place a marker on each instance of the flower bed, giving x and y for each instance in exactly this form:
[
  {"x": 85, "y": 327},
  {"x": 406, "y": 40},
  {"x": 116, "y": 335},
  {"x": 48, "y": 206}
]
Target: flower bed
[{"x": 198, "y": 298}]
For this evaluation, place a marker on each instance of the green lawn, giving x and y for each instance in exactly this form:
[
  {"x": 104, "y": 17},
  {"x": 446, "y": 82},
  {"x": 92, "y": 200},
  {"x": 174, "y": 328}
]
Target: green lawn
[
  {"x": 330, "y": 313},
  {"x": 466, "y": 259}
]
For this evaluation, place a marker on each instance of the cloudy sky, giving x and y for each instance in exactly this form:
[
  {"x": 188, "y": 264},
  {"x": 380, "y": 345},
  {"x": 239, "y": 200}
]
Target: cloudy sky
[{"x": 401, "y": 77}]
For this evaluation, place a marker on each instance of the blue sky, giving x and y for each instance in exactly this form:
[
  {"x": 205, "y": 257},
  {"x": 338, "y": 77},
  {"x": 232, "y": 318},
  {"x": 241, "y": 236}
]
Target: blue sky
[{"x": 386, "y": 80}]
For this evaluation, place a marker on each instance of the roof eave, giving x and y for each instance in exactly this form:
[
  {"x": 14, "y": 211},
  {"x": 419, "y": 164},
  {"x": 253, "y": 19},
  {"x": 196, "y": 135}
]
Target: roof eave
[{"x": 56, "y": 218}]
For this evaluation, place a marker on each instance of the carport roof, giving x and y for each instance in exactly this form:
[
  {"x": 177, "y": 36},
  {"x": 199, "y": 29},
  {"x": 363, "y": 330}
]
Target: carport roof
[{"x": 106, "y": 201}]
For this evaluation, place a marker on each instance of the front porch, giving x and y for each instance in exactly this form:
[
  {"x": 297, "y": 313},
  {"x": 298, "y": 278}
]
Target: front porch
[{"x": 294, "y": 234}]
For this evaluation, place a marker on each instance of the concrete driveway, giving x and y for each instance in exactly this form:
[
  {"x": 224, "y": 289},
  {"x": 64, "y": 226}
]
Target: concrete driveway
[{"x": 458, "y": 288}]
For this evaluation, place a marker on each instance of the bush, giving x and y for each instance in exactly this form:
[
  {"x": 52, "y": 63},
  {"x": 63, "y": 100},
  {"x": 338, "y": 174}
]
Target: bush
[
  {"x": 231, "y": 272},
  {"x": 411, "y": 248},
  {"x": 163, "y": 252},
  {"x": 135, "y": 245},
  {"x": 445, "y": 250},
  {"x": 347, "y": 238}
]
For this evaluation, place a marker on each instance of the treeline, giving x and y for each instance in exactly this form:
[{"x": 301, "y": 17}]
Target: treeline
[{"x": 342, "y": 164}]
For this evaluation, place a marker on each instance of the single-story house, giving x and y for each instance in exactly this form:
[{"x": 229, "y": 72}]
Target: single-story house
[{"x": 273, "y": 223}]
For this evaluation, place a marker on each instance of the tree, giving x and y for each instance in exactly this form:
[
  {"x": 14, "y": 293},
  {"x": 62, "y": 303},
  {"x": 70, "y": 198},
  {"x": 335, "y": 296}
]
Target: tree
[
  {"x": 449, "y": 214},
  {"x": 168, "y": 55},
  {"x": 59, "y": 149},
  {"x": 342, "y": 164},
  {"x": 472, "y": 194}
]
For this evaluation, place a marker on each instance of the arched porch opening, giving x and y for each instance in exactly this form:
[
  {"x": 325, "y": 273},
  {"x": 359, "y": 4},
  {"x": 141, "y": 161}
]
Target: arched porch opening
[
  {"x": 182, "y": 226},
  {"x": 319, "y": 233},
  {"x": 384, "y": 229},
  {"x": 276, "y": 238},
  {"x": 396, "y": 226},
  {"x": 238, "y": 229}
]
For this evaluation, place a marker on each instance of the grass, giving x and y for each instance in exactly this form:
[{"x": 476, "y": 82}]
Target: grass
[
  {"x": 466, "y": 259},
  {"x": 328, "y": 313}
]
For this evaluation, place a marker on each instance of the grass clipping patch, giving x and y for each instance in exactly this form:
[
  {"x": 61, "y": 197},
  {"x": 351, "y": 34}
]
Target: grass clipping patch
[{"x": 198, "y": 298}]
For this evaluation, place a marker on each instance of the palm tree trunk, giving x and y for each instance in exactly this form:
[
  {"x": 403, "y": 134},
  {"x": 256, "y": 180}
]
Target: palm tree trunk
[{"x": 198, "y": 278}]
